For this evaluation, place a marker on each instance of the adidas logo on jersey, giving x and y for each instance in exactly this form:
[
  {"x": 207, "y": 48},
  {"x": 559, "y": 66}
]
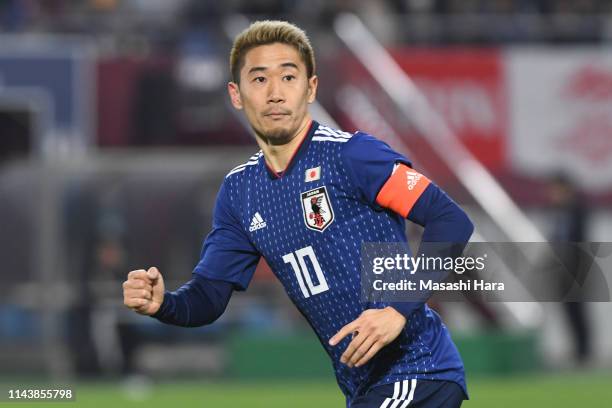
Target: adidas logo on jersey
[
  {"x": 412, "y": 178},
  {"x": 257, "y": 223}
]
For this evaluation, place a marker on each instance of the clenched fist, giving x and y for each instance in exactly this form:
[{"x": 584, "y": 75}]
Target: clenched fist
[{"x": 143, "y": 291}]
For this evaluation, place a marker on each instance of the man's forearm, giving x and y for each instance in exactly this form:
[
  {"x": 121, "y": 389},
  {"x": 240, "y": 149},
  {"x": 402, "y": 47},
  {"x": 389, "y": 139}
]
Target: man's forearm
[
  {"x": 198, "y": 302},
  {"x": 445, "y": 223}
]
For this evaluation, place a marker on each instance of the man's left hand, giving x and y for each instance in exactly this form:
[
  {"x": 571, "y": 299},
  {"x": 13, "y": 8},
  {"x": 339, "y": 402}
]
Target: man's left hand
[{"x": 373, "y": 330}]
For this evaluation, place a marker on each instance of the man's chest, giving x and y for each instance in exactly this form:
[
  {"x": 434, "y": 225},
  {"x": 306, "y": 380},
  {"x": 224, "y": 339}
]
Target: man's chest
[
  {"x": 292, "y": 209},
  {"x": 303, "y": 230}
]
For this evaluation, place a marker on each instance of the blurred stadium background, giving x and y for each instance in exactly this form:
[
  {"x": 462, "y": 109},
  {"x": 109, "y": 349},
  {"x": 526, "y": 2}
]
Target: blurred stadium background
[{"x": 115, "y": 133}]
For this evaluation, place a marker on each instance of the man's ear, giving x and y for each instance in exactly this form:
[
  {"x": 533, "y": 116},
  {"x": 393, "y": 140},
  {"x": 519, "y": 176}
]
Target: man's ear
[
  {"x": 313, "y": 82},
  {"x": 234, "y": 92}
]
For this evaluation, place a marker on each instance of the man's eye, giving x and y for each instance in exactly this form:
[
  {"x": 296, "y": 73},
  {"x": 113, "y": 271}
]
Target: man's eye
[
  {"x": 259, "y": 79},
  {"x": 289, "y": 77}
]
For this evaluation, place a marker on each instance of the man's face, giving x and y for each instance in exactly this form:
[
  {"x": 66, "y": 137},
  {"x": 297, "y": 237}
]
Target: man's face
[{"x": 274, "y": 92}]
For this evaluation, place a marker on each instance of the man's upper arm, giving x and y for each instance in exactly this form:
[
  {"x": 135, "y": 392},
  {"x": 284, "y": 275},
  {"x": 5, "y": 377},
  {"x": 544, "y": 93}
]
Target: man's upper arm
[
  {"x": 227, "y": 253},
  {"x": 380, "y": 174},
  {"x": 386, "y": 179},
  {"x": 415, "y": 197}
]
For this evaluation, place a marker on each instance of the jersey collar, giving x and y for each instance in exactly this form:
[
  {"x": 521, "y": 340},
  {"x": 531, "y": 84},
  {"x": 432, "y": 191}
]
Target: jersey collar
[{"x": 299, "y": 152}]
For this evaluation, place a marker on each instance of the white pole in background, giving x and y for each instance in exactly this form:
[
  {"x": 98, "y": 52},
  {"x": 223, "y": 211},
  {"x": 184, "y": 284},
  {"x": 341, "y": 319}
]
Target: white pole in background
[{"x": 470, "y": 172}]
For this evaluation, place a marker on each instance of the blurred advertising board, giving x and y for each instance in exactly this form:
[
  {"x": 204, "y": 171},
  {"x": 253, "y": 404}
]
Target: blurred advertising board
[{"x": 561, "y": 113}]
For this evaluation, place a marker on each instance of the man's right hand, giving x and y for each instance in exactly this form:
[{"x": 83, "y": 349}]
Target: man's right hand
[{"x": 143, "y": 291}]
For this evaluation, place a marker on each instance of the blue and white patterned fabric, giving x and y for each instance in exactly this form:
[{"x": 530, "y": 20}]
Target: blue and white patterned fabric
[{"x": 308, "y": 223}]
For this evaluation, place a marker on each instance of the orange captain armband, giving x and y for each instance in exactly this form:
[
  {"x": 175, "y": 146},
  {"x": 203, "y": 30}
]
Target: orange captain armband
[{"x": 402, "y": 189}]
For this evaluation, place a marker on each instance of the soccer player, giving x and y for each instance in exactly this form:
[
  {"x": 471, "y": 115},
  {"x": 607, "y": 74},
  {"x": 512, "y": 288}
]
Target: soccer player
[{"x": 305, "y": 202}]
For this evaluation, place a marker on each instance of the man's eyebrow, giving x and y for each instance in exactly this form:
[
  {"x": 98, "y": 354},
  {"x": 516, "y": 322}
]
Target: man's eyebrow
[
  {"x": 262, "y": 69},
  {"x": 289, "y": 64},
  {"x": 256, "y": 69}
]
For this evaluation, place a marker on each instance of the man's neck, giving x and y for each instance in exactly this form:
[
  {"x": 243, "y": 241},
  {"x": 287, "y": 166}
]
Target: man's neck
[{"x": 279, "y": 156}]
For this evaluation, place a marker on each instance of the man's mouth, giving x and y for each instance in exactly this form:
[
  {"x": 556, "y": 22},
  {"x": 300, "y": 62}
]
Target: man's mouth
[
  {"x": 276, "y": 114},
  {"x": 276, "y": 117}
]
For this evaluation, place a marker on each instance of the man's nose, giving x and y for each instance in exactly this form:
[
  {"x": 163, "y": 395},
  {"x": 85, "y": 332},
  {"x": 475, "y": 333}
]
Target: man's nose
[{"x": 275, "y": 94}]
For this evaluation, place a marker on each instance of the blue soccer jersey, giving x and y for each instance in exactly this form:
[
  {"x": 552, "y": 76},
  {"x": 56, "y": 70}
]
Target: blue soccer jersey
[{"x": 309, "y": 223}]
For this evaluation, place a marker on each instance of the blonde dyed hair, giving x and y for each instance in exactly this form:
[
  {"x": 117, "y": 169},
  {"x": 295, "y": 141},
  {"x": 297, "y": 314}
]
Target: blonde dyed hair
[{"x": 269, "y": 32}]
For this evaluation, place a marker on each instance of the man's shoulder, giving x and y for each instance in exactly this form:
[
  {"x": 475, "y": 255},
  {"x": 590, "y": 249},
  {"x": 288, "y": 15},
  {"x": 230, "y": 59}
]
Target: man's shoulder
[
  {"x": 328, "y": 134},
  {"x": 238, "y": 171},
  {"x": 344, "y": 139},
  {"x": 234, "y": 181}
]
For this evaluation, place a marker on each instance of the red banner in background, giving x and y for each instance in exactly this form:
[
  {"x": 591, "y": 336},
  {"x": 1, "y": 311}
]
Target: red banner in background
[
  {"x": 467, "y": 88},
  {"x": 524, "y": 113}
]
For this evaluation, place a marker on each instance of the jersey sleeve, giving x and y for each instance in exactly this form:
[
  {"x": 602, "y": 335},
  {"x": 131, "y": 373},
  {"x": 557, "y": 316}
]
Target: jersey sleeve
[
  {"x": 369, "y": 163},
  {"x": 227, "y": 253}
]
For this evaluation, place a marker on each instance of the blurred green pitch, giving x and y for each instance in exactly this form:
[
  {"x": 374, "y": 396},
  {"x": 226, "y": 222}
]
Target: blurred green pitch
[{"x": 570, "y": 390}]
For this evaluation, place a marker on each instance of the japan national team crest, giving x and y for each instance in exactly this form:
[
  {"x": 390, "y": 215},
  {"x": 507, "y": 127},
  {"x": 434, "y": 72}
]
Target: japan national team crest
[{"x": 318, "y": 212}]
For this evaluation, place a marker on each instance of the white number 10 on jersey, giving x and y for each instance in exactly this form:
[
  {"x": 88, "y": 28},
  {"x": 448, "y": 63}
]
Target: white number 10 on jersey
[{"x": 296, "y": 259}]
